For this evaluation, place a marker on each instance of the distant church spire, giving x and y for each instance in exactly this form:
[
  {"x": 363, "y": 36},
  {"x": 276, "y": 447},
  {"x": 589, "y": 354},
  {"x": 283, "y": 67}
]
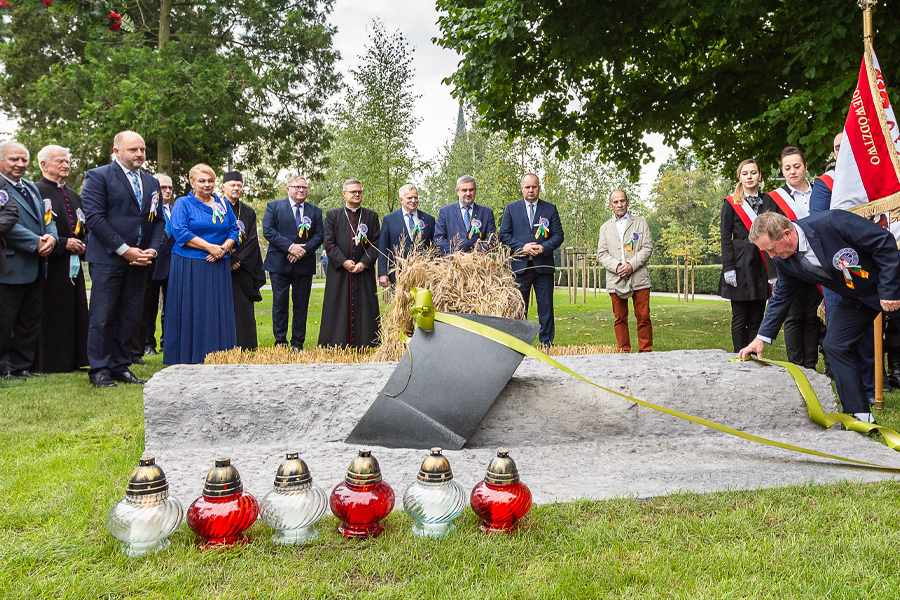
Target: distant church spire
[{"x": 460, "y": 124}]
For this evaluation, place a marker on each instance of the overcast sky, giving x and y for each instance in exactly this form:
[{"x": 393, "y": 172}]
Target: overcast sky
[{"x": 417, "y": 19}]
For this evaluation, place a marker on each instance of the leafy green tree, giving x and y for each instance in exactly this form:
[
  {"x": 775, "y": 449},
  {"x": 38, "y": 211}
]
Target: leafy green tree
[
  {"x": 199, "y": 79},
  {"x": 375, "y": 121},
  {"x": 735, "y": 78}
]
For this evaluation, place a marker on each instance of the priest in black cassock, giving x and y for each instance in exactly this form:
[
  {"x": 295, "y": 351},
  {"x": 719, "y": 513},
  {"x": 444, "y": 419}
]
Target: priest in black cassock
[
  {"x": 247, "y": 275},
  {"x": 62, "y": 346},
  {"x": 350, "y": 310}
]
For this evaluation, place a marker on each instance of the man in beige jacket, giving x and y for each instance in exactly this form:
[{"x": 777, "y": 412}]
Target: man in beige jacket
[{"x": 624, "y": 250}]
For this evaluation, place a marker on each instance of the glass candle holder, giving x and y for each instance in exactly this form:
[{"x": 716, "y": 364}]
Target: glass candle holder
[
  {"x": 501, "y": 500},
  {"x": 147, "y": 515},
  {"x": 295, "y": 505},
  {"x": 224, "y": 511},
  {"x": 434, "y": 500},
  {"x": 362, "y": 500}
]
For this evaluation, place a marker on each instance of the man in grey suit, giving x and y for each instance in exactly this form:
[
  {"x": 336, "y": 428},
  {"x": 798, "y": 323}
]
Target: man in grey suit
[{"x": 27, "y": 243}]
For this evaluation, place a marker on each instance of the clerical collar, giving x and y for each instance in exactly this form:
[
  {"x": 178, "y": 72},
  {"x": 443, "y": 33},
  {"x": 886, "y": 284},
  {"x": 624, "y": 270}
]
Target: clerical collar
[{"x": 353, "y": 210}]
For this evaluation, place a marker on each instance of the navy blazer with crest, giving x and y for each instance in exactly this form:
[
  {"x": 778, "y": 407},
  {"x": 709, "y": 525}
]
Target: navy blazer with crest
[
  {"x": 450, "y": 233},
  {"x": 831, "y": 233},
  {"x": 395, "y": 237},
  {"x": 113, "y": 216},
  {"x": 22, "y": 260},
  {"x": 516, "y": 231},
  {"x": 280, "y": 229}
]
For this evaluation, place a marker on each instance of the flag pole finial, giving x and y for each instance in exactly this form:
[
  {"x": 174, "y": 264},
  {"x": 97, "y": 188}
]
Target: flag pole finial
[{"x": 866, "y": 6}]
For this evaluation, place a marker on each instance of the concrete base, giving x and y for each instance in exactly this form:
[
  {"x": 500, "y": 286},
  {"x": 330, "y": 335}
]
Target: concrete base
[{"x": 569, "y": 439}]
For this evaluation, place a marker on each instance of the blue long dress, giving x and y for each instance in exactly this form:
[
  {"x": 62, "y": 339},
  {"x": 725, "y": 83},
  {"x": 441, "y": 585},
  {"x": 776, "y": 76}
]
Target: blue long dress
[{"x": 199, "y": 304}]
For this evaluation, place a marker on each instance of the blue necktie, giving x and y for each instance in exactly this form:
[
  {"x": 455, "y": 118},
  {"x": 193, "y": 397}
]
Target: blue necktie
[
  {"x": 410, "y": 221},
  {"x": 298, "y": 216},
  {"x": 136, "y": 185},
  {"x": 467, "y": 219}
]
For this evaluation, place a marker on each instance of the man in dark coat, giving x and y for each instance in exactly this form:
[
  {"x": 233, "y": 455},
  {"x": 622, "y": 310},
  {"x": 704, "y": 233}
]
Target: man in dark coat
[
  {"x": 9, "y": 216},
  {"x": 64, "y": 308},
  {"x": 350, "y": 310},
  {"x": 27, "y": 243},
  {"x": 247, "y": 275},
  {"x": 464, "y": 226},
  {"x": 125, "y": 231},
  {"x": 532, "y": 227},
  {"x": 847, "y": 254},
  {"x": 158, "y": 282},
  {"x": 400, "y": 231},
  {"x": 294, "y": 230}
]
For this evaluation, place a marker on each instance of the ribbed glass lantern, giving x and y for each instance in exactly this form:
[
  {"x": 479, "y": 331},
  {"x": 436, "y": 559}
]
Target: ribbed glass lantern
[
  {"x": 224, "y": 511},
  {"x": 434, "y": 500},
  {"x": 294, "y": 506},
  {"x": 362, "y": 500},
  {"x": 147, "y": 515},
  {"x": 501, "y": 499}
]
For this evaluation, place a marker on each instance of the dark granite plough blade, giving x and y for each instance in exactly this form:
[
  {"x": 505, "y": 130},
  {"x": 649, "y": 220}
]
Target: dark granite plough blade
[{"x": 456, "y": 376}]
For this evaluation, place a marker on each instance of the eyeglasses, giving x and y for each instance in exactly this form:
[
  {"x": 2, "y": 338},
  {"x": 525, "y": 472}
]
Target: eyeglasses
[
  {"x": 354, "y": 192},
  {"x": 166, "y": 187},
  {"x": 298, "y": 187}
]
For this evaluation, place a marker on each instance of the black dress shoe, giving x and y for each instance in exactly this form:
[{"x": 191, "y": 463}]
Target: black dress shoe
[
  {"x": 26, "y": 374},
  {"x": 101, "y": 380},
  {"x": 137, "y": 360},
  {"x": 12, "y": 377},
  {"x": 127, "y": 377},
  {"x": 297, "y": 348},
  {"x": 148, "y": 351}
]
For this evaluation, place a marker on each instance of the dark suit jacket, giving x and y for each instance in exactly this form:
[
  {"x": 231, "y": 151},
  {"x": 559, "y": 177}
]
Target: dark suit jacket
[
  {"x": 829, "y": 233},
  {"x": 395, "y": 237},
  {"x": 113, "y": 217},
  {"x": 9, "y": 216},
  {"x": 22, "y": 260},
  {"x": 161, "y": 266},
  {"x": 280, "y": 229},
  {"x": 451, "y": 235},
  {"x": 516, "y": 231}
]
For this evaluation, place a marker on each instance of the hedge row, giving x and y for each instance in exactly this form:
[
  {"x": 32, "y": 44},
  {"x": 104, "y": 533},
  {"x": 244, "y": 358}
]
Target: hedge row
[{"x": 706, "y": 278}]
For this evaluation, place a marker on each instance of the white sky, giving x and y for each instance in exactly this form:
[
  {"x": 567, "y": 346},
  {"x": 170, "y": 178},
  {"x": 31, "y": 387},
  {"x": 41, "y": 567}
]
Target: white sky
[{"x": 417, "y": 19}]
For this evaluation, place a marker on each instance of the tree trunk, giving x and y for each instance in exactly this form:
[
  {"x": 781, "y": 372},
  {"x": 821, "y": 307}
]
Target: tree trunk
[{"x": 163, "y": 142}]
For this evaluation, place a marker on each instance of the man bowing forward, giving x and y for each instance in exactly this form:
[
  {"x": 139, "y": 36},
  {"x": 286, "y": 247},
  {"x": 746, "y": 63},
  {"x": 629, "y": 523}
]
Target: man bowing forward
[{"x": 532, "y": 229}]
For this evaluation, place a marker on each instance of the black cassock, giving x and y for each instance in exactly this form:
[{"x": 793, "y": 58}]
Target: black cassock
[
  {"x": 247, "y": 279},
  {"x": 64, "y": 309},
  {"x": 350, "y": 310}
]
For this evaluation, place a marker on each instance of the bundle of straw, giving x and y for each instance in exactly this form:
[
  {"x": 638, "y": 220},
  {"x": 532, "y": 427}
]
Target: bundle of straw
[{"x": 284, "y": 355}]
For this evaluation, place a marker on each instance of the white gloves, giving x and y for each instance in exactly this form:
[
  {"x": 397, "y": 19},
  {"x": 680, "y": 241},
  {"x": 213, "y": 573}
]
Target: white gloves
[{"x": 731, "y": 278}]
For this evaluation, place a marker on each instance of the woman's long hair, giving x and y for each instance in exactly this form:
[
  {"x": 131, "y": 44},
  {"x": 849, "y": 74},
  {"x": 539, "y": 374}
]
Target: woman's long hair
[{"x": 738, "y": 195}]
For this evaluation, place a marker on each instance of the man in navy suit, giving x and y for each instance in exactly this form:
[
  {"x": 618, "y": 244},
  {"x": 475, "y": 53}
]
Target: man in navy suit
[
  {"x": 123, "y": 210},
  {"x": 158, "y": 282},
  {"x": 400, "y": 230},
  {"x": 532, "y": 230},
  {"x": 847, "y": 254},
  {"x": 27, "y": 243},
  {"x": 464, "y": 226},
  {"x": 295, "y": 231}
]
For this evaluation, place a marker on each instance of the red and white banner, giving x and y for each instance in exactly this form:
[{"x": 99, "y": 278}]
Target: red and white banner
[{"x": 868, "y": 164}]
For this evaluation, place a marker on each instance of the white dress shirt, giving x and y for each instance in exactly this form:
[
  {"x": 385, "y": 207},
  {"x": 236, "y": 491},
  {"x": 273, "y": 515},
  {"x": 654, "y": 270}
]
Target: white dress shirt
[{"x": 621, "y": 224}]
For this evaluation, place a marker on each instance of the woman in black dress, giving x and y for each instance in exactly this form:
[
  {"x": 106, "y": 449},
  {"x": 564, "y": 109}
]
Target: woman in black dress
[{"x": 744, "y": 270}]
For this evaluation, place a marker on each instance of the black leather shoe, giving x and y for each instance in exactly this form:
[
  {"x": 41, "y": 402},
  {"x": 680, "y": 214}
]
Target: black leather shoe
[
  {"x": 148, "y": 351},
  {"x": 11, "y": 377},
  {"x": 101, "y": 380},
  {"x": 297, "y": 348},
  {"x": 127, "y": 377},
  {"x": 26, "y": 374},
  {"x": 137, "y": 360}
]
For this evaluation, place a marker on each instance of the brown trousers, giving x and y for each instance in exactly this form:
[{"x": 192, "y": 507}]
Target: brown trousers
[{"x": 641, "y": 300}]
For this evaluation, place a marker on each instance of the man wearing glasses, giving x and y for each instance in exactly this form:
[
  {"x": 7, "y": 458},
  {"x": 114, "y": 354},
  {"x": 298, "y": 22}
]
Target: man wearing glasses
[{"x": 294, "y": 230}]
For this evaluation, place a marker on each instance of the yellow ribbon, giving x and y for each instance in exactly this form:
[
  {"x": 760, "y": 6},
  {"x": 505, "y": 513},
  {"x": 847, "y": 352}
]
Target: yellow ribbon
[{"x": 423, "y": 307}]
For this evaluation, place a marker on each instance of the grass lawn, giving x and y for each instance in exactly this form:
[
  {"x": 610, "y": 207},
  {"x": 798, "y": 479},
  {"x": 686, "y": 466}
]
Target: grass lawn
[{"x": 67, "y": 450}]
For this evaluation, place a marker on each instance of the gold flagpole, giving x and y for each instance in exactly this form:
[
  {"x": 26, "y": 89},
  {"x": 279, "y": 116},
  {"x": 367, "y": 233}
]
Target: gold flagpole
[{"x": 868, "y": 31}]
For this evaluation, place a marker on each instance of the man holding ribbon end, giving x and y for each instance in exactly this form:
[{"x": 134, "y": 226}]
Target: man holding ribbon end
[
  {"x": 532, "y": 230},
  {"x": 842, "y": 252}
]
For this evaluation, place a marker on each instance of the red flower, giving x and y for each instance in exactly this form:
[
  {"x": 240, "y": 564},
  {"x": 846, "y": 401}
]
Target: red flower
[
  {"x": 47, "y": 3},
  {"x": 115, "y": 21},
  {"x": 4, "y": 4}
]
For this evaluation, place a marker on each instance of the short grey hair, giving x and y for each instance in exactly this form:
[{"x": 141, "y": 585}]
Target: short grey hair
[
  {"x": 465, "y": 179},
  {"x": 162, "y": 177},
  {"x": 294, "y": 178},
  {"x": 46, "y": 152},
  {"x": 350, "y": 182},
  {"x": 407, "y": 188},
  {"x": 3, "y": 146}
]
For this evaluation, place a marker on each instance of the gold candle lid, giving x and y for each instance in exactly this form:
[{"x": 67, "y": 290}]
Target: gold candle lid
[
  {"x": 146, "y": 479},
  {"x": 435, "y": 468},
  {"x": 292, "y": 473},
  {"x": 502, "y": 469},
  {"x": 363, "y": 469},
  {"x": 223, "y": 479}
]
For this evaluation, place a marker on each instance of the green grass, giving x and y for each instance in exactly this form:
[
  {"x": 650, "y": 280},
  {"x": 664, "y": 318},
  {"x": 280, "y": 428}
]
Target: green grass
[{"x": 67, "y": 450}]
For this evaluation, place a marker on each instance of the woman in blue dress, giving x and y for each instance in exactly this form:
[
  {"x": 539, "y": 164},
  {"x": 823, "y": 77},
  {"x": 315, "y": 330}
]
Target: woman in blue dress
[{"x": 199, "y": 305}]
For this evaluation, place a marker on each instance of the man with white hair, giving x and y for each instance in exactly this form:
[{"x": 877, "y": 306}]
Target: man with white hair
[
  {"x": 64, "y": 308},
  {"x": 27, "y": 243},
  {"x": 400, "y": 231}
]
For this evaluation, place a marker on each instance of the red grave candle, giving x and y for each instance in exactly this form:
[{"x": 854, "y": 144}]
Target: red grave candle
[
  {"x": 362, "y": 500},
  {"x": 501, "y": 500},
  {"x": 224, "y": 511}
]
